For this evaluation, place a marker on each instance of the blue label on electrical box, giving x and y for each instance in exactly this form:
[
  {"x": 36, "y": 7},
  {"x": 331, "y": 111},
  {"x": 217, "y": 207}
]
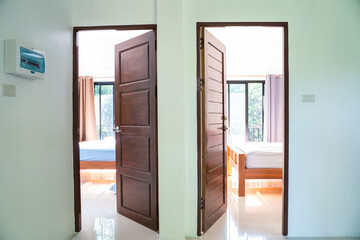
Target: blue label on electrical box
[{"x": 32, "y": 60}]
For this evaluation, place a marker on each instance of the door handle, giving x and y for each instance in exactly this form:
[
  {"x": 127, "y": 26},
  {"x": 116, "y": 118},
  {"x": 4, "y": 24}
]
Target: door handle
[
  {"x": 117, "y": 129},
  {"x": 224, "y": 128}
]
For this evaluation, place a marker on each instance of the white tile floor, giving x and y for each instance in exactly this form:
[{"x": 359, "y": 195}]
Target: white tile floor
[
  {"x": 256, "y": 217},
  {"x": 100, "y": 220}
]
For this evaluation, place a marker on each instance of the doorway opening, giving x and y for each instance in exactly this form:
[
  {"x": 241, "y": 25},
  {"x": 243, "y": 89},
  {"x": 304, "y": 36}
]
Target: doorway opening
[
  {"x": 242, "y": 102},
  {"x": 114, "y": 110}
]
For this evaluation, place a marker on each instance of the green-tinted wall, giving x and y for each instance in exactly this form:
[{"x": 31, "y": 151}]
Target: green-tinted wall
[
  {"x": 36, "y": 178},
  {"x": 324, "y": 41},
  {"x": 324, "y": 48}
]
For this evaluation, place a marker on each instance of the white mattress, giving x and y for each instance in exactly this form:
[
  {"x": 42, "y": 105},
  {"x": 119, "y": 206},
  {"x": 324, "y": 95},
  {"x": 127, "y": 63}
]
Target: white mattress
[
  {"x": 262, "y": 154},
  {"x": 98, "y": 150}
]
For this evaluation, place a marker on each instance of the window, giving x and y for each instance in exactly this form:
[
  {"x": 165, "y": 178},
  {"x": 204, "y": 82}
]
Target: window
[
  {"x": 104, "y": 109},
  {"x": 237, "y": 116},
  {"x": 246, "y": 111}
]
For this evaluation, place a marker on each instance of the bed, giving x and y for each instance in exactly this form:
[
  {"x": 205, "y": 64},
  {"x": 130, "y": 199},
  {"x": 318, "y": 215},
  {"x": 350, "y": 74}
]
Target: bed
[
  {"x": 98, "y": 154},
  {"x": 256, "y": 161}
]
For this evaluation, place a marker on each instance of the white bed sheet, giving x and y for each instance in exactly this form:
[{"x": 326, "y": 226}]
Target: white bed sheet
[
  {"x": 97, "y": 150},
  {"x": 262, "y": 154}
]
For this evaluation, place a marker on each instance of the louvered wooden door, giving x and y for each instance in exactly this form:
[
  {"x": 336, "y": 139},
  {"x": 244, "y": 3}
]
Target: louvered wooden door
[
  {"x": 136, "y": 140},
  {"x": 214, "y": 134}
]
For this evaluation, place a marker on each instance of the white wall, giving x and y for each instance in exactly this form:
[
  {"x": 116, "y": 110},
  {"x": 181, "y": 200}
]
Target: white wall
[
  {"x": 324, "y": 136},
  {"x": 97, "y": 52},
  {"x": 114, "y": 12},
  {"x": 36, "y": 183},
  {"x": 170, "y": 62},
  {"x": 251, "y": 50},
  {"x": 166, "y": 14},
  {"x": 324, "y": 37}
]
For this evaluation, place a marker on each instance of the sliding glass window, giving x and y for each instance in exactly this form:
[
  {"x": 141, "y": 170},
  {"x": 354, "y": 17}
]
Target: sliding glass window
[
  {"x": 246, "y": 111},
  {"x": 104, "y": 109},
  {"x": 236, "y": 112}
]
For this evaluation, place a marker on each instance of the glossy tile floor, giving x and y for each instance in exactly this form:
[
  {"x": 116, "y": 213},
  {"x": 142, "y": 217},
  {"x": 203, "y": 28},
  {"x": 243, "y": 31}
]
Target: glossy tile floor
[
  {"x": 101, "y": 221},
  {"x": 254, "y": 217}
]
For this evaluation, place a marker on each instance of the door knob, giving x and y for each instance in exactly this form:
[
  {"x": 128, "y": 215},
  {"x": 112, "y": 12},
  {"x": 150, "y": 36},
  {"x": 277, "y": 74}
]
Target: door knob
[
  {"x": 117, "y": 129},
  {"x": 224, "y": 128}
]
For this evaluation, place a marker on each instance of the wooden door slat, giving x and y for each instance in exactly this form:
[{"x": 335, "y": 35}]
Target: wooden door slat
[
  {"x": 215, "y": 162},
  {"x": 215, "y": 64},
  {"x": 212, "y": 50}
]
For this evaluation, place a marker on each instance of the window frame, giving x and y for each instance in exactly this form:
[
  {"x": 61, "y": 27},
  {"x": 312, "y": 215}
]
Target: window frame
[
  {"x": 246, "y": 83},
  {"x": 105, "y": 84}
]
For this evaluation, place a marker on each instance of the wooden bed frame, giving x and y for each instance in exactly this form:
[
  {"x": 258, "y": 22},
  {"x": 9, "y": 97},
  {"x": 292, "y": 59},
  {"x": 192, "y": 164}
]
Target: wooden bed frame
[
  {"x": 237, "y": 159},
  {"x": 95, "y": 176},
  {"x": 97, "y": 165}
]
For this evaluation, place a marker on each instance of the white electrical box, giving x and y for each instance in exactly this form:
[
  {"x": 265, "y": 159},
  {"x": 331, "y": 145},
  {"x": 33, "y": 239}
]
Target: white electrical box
[{"x": 23, "y": 61}]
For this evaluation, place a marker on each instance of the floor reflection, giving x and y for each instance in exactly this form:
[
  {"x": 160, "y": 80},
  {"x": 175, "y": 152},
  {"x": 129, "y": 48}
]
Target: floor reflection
[
  {"x": 100, "y": 221},
  {"x": 255, "y": 217},
  {"x": 104, "y": 229}
]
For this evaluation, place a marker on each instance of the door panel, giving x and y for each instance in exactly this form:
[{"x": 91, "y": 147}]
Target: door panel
[
  {"x": 140, "y": 159},
  {"x": 135, "y": 108},
  {"x": 214, "y": 135},
  {"x": 135, "y": 195},
  {"x": 136, "y": 144},
  {"x": 135, "y": 64}
]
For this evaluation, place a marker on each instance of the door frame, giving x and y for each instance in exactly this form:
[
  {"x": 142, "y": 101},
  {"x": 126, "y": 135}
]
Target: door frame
[
  {"x": 76, "y": 117},
  {"x": 284, "y": 25}
]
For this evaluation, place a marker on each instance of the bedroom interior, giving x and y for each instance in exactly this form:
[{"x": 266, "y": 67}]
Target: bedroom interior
[
  {"x": 252, "y": 110},
  {"x": 96, "y": 66},
  {"x": 37, "y": 186}
]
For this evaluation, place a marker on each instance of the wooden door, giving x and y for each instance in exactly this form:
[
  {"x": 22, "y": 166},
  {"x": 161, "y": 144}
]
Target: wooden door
[
  {"x": 136, "y": 138},
  {"x": 214, "y": 130}
]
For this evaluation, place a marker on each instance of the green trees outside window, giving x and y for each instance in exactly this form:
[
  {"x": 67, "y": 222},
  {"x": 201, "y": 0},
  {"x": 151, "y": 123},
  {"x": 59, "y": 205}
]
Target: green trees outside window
[
  {"x": 104, "y": 110},
  {"x": 246, "y": 111}
]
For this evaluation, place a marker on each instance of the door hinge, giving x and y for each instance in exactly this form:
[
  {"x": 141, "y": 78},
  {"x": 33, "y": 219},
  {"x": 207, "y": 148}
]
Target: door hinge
[
  {"x": 202, "y": 203},
  {"x": 201, "y": 84},
  {"x": 201, "y": 43}
]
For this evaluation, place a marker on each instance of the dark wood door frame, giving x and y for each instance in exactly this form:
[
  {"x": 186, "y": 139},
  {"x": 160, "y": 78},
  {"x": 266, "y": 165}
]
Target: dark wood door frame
[
  {"x": 76, "y": 120},
  {"x": 284, "y": 25}
]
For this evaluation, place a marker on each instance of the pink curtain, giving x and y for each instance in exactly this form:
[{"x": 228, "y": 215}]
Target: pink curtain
[
  {"x": 274, "y": 109},
  {"x": 87, "y": 109}
]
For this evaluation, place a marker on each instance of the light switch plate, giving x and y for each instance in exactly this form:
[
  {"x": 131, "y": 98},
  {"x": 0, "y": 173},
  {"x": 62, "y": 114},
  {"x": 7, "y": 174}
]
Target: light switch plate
[
  {"x": 8, "y": 90},
  {"x": 309, "y": 98}
]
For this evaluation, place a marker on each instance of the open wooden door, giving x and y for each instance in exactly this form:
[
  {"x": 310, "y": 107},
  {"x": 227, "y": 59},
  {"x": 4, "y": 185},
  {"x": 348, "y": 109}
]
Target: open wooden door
[
  {"x": 136, "y": 128},
  {"x": 213, "y": 117}
]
